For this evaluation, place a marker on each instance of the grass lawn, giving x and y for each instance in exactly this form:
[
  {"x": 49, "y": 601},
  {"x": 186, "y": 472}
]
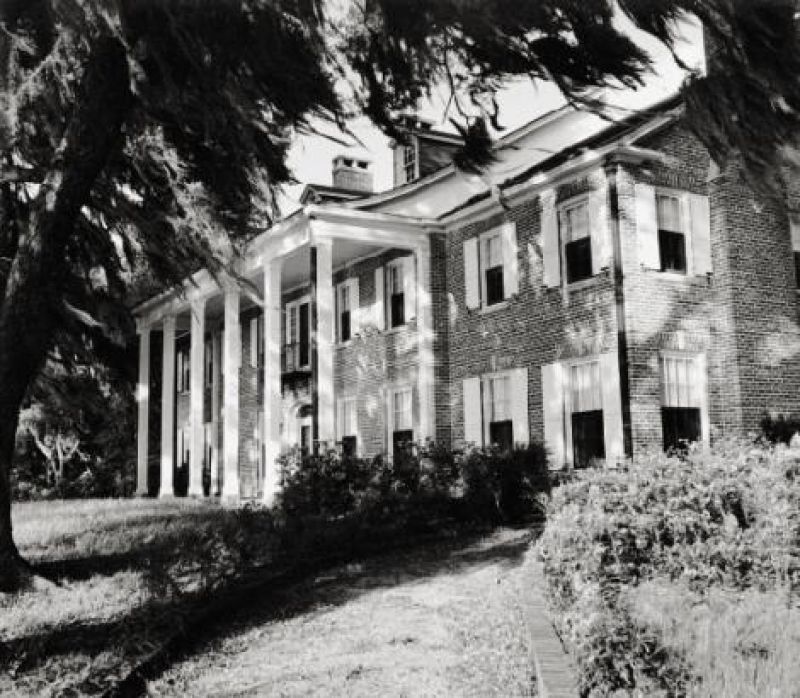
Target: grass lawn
[
  {"x": 127, "y": 570},
  {"x": 445, "y": 620}
]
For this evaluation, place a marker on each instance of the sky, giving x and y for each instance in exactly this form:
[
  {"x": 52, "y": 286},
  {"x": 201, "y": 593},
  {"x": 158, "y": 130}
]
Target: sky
[{"x": 310, "y": 156}]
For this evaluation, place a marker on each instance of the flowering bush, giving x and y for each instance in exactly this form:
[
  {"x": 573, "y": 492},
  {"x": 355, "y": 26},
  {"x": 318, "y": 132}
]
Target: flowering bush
[{"x": 725, "y": 519}]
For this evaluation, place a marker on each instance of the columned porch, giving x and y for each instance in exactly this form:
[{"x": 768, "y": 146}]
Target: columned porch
[{"x": 233, "y": 354}]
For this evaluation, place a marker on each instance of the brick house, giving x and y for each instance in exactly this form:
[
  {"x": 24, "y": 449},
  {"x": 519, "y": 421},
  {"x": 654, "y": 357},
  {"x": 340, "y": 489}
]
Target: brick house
[{"x": 602, "y": 288}]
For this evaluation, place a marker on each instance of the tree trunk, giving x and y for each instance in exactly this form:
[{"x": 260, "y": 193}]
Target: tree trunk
[{"x": 31, "y": 300}]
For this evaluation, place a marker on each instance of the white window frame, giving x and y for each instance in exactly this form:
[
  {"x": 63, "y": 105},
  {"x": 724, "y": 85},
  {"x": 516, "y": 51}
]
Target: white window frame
[
  {"x": 569, "y": 410},
  {"x": 487, "y": 381},
  {"x": 346, "y": 285},
  {"x": 398, "y": 265},
  {"x": 295, "y": 339},
  {"x": 686, "y": 227},
  {"x": 392, "y": 421},
  {"x": 700, "y": 389},
  {"x": 410, "y": 160},
  {"x": 561, "y": 209},
  {"x": 483, "y": 241},
  {"x": 344, "y": 405}
]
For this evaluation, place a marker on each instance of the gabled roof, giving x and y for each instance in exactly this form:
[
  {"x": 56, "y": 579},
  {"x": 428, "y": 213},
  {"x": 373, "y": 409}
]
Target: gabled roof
[{"x": 324, "y": 193}]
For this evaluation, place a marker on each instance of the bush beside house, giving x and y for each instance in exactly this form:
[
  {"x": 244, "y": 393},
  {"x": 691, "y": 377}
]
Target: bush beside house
[{"x": 670, "y": 576}]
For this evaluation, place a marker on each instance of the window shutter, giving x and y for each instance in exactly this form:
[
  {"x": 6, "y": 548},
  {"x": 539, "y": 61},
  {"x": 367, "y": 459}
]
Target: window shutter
[
  {"x": 510, "y": 260},
  {"x": 472, "y": 274},
  {"x": 379, "y": 306},
  {"x": 409, "y": 288},
  {"x": 701, "y": 374},
  {"x": 794, "y": 230},
  {"x": 647, "y": 226},
  {"x": 356, "y": 317},
  {"x": 700, "y": 234},
  {"x": 519, "y": 406},
  {"x": 473, "y": 412},
  {"x": 553, "y": 409},
  {"x": 254, "y": 342},
  {"x": 602, "y": 250},
  {"x": 549, "y": 240},
  {"x": 612, "y": 407}
]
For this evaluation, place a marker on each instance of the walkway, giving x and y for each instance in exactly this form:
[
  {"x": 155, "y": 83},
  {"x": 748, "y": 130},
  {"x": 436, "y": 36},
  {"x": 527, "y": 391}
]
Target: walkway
[{"x": 444, "y": 621}]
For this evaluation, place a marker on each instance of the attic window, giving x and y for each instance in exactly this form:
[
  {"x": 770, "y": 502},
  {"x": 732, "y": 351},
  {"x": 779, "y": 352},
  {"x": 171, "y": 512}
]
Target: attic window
[{"x": 410, "y": 162}]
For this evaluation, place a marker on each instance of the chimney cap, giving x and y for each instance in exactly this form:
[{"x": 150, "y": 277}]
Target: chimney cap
[{"x": 357, "y": 162}]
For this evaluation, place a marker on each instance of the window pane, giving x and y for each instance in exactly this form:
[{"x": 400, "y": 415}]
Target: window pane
[
  {"x": 588, "y": 443},
  {"x": 680, "y": 427},
  {"x": 495, "y": 290},
  {"x": 344, "y": 326},
  {"x": 499, "y": 391},
  {"x": 349, "y": 444},
  {"x": 579, "y": 260},
  {"x": 679, "y": 380},
  {"x": 576, "y": 222},
  {"x": 397, "y": 309},
  {"x": 668, "y": 210},
  {"x": 672, "y": 250},
  {"x": 797, "y": 267},
  {"x": 501, "y": 434},
  {"x": 492, "y": 252},
  {"x": 585, "y": 386}
]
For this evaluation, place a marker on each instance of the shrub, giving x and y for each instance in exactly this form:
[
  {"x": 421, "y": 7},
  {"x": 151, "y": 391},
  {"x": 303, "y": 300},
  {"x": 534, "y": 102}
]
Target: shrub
[
  {"x": 780, "y": 428},
  {"x": 727, "y": 519},
  {"x": 476, "y": 485}
]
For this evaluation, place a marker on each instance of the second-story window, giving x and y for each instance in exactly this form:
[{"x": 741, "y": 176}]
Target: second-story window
[
  {"x": 343, "y": 301},
  {"x": 492, "y": 269},
  {"x": 182, "y": 370},
  {"x": 409, "y": 162},
  {"x": 671, "y": 235},
  {"x": 576, "y": 236},
  {"x": 396, "y": 288}
]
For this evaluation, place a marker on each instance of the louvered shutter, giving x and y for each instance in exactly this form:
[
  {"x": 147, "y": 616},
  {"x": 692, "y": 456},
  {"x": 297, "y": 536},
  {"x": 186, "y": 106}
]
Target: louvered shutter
[
  {"x": 647, "y": 226},
  {"x": 409, "y": 288},
  {"x": 602, "y": 250},
  {"x": 553, "y": 410},
  {"x": 519, "y": 406},
  {"x": 472, "y": 274},
  {"x": 550, "y": 240},
  {"x": 356, "y": 316},
  {"x": 700, "y": 234},
  {"x": 473, "y": 412},
  {"x": 510, "y": 260},
  {"x": 379, "y": 306},
  {"x": 612, "y": 407}
]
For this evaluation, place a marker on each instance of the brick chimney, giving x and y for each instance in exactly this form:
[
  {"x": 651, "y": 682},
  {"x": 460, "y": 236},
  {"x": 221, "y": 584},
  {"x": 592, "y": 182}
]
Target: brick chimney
[{"x": 352, "y": 173}]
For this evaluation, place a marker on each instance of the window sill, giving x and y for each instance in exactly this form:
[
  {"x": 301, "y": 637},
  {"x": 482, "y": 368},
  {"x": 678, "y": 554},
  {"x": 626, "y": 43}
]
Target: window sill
[
  {"x": 486, "y": 309},
  {"x": 583, "y": 283}
]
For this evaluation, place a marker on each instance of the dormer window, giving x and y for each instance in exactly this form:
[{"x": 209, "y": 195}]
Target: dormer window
[{"x": 410, "y": 162}]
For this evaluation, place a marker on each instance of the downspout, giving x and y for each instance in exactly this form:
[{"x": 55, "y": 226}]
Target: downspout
[{"x": 612, "y": 170}]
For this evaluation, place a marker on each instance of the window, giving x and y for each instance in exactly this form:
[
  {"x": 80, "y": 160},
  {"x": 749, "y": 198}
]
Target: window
[
  {"x": 346, "y": 425},
  {"x": 410, "y": 162},
  {"x": 671, "y": 237},
  {"x": 498, "y": 413},
  {"x": 680, "y": 402},
  {"x": 586, "y": 418},
  {"x": 396, "y": 292},
  {"x": 402, "y": 422},
  {"x": 343, "y": 314},
  {"x": 492, "y": 268},
  {"x": 577, "y": 241},
  {"x": 182, "y": 370},
  {"x": 298, "y": 335},
  {"x": 794, "y": 223}
]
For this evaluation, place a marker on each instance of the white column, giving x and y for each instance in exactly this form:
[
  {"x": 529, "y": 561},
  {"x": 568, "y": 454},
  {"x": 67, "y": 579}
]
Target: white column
[
  {"x": 143, "y": 399},
  {"x": 325, "y": 341},
  {"x": 168, "y": 409},
  {"x": 425, "y": 368},
  {"x": 216, "y": 371},
  {"x": 272, "y": 378},
  {"x": 196, "y": 372},
  {"x": 232, "y": 356}
]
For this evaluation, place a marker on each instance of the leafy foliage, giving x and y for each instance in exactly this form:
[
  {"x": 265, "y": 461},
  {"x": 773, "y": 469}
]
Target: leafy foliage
[
  {"x": 482, "y": 485},
  {"x": 729, "y": 520}
]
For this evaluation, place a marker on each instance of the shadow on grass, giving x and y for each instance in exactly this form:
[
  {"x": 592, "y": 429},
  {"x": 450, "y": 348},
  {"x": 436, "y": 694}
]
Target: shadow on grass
[{"x": 188, "y": 623}]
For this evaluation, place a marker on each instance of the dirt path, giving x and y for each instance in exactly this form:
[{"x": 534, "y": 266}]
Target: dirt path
[{"x": 443, "y": 621}]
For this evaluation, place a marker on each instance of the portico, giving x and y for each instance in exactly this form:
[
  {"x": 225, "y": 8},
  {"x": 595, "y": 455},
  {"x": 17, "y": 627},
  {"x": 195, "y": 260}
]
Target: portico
[{"x": 224, "y": 417}]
